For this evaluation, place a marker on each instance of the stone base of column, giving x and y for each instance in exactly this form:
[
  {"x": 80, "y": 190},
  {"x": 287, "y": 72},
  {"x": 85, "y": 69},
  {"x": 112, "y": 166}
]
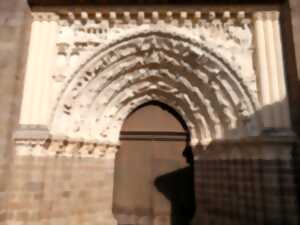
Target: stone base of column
[{"x": 31, "y": 132}]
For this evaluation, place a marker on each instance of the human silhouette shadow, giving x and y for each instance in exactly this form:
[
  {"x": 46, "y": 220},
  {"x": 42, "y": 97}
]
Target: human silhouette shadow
[{"x": 178, "y": 188}]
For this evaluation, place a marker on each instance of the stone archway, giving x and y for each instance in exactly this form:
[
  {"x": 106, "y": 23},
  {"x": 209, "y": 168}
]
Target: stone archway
[
  {"x": 199, "y": 63},
  {"x": 158, "y": 65},
  {"x": 154, "y": 65}
]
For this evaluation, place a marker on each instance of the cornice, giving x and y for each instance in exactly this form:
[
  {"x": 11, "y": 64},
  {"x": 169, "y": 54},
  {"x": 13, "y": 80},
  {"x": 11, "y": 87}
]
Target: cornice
[{"x": 159, "y": 8}]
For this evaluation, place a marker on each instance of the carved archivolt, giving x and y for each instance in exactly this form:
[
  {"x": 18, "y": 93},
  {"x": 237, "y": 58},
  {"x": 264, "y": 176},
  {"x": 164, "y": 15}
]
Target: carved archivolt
[
  {"x": 107, "y": 64},
  {"x": 159, "y": 64}
]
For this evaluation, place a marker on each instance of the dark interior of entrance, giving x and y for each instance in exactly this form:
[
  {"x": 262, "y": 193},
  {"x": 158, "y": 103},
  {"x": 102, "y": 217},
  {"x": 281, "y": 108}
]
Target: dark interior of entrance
[{"x": 154, "y": 174}]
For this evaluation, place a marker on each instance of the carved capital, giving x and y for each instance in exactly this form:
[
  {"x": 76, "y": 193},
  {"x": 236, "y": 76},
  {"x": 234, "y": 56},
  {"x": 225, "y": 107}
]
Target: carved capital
[
  {"x": 271, "y": 15},
  {"x": 258, "y": 16}
]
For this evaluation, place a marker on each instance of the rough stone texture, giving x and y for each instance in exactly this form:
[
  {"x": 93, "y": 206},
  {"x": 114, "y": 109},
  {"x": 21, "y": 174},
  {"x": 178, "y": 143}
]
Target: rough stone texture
[
  {"x": 159, "y": 58},
  {"x": 168, "y": 62},
  {"x": 295, "y": 11},
  {"x": 72, "y": 190},
  {"x": 246, "y": 184},
  {"x": 60, "y": 191},
  {"x": 14, "y": 34},
  {"x": 291, "y": 23}
]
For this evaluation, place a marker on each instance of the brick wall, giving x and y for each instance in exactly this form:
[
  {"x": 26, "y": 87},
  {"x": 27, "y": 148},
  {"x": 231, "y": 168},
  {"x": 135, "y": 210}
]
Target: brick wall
[{"x": 246, "y": 185}]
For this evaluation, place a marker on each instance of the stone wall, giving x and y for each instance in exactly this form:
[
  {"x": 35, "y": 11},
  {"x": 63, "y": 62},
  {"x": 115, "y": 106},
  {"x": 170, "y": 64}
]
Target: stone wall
[
  {"x": 246, "y": 184},
  {"x": 291, "y": 34},
  {"x": 71, "y": 191},
  {"x": 14, "y": 34},
  {"x": 295, "y": 11},
  {"x": 14, "y": 38},
  {"x": 59, "y": 191}
]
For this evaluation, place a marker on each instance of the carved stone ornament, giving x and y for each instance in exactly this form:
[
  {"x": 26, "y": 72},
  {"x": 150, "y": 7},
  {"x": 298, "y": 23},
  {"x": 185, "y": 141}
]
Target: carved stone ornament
[
  {"x": 65, "y": 147},
  {"x": 108, "y": 64},
  {"x": 197, "y": 66}
]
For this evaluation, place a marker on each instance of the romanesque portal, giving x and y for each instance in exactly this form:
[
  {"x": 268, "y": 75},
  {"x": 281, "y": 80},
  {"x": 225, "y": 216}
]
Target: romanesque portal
[{"x": 222, "y": 72}]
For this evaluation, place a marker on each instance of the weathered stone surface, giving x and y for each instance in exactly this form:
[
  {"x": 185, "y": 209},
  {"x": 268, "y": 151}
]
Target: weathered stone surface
[
  {"x": 249, "y": 185},
  {"x": 200, "y": 64},
  {"x": 14, "y": 40},
  {"x": 13, "y": 50},
  {"x": 295, "y": 8},
  {"x": 63, "y": 189},
  {"x": 77, "y": 187}
]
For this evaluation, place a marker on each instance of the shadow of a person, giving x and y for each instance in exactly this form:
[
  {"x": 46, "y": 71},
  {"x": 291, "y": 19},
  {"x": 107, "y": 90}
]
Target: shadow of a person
[{"x": 178, "y": 188}]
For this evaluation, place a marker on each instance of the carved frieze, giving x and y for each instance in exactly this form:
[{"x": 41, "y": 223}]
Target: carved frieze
[
  {"x": 81, "y": 33},
  {"x": 65, "y": 147}
]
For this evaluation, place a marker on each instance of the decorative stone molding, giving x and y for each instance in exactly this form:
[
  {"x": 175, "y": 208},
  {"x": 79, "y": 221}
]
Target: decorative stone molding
[
  {"x": 102, "y": 65},
  {"x": 37, "y": 142},
  {"x": 45, "y": 16},
  {"x": 83, "y": 35},
  {"x": 255, "y": 148},
  {"x": 163, "y": 65}
]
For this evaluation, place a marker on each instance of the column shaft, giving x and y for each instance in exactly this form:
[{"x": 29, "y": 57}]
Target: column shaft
[
  {"x": 28, "y": 84},
  {"x": 285, "y": 112},
  {"x": 37, "y": 88},
  {"x": 46, "y": 76},
  {"x": 263, "y": 79},
  {"x": 270, "y": 68},
  {"x": 272, "y": 65},
  {"x": 38, "y": 74}
]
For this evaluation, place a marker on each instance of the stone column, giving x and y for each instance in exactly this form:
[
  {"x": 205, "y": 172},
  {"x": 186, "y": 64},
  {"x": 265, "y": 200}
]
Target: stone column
[
  {"x": 28, "y": 84},
  {"x": 270, "y": 69},
  {"x": 35, "y": 104},
  {"x": 262, "y": 70},
  {"x": 45, "y": 100},
  {"x": 286, "y": 122}
]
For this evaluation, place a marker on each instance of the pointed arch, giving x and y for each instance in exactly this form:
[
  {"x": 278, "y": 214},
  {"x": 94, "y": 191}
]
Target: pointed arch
[
  {"x": 160, "y": 65},
  {"x": 157, "y": 104}
]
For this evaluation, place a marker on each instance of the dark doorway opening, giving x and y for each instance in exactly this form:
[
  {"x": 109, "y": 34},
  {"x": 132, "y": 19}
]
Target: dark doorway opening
[{"x": 154, "y": 174}]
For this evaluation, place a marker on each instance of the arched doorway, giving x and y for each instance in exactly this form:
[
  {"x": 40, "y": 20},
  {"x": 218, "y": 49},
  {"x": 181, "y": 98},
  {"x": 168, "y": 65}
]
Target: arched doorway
[
  {"x": 154, "y": 169},
  {"x": 157, "y": 64}
]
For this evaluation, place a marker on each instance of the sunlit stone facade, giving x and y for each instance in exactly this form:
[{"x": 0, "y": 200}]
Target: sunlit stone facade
[{"x": 223, "y": 71}]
